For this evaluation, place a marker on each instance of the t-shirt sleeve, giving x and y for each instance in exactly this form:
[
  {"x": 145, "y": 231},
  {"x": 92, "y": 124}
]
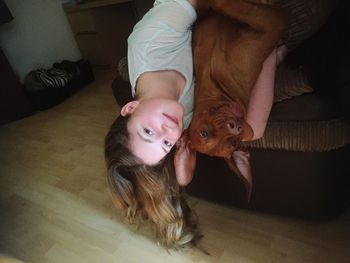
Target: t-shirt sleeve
[
  {"x": 159, "y": 37},
  {"x": 171, "y": 13}
]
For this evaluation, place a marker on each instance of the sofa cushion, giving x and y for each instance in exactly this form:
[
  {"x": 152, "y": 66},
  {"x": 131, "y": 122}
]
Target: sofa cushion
[
  {"x": 304, "y": 19},
  {"x": 304, "y": 123},
  {"x": 308, "y": 107},
  {"x": 290, "y": 82}
]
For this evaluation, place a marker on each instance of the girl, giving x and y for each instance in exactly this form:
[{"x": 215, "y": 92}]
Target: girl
[{"x": 139, "y": 147}]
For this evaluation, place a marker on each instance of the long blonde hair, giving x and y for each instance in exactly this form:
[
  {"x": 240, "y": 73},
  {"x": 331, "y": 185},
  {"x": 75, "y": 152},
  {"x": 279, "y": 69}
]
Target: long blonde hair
[{"x": 148, "y": 193}]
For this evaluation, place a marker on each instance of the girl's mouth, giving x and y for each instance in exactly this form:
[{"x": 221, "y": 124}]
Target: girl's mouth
[{"x": 172, "y": 118}]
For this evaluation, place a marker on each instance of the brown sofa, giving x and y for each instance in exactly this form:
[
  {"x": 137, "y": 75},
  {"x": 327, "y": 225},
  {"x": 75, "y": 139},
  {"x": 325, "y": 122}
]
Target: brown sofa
[
  {"x": 287, "y": 179},
  {"x": 301, "y": 165}
]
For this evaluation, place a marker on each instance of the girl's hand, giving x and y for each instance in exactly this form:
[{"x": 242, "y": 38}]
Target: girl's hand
[{"x": 184, "y": 161}]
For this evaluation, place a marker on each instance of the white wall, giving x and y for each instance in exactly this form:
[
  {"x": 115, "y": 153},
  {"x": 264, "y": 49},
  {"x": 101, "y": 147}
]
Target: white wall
[{"x": 38, "y": 36}]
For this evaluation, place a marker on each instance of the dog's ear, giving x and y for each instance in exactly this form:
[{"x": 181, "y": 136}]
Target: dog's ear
[
  {"x": 239, "y": 163},
  {"x": 184, "y": 160}
]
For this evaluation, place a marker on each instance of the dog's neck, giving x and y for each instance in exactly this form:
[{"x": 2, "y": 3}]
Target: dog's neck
[{"x": 211, "y": 94}]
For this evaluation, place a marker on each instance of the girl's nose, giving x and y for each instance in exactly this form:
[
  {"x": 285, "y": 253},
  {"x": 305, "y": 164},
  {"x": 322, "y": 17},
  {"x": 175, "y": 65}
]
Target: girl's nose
[{"x": 167, "y": 129}]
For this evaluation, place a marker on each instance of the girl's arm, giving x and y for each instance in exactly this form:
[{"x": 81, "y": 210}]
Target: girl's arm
[{"x": 261, "y": 97}]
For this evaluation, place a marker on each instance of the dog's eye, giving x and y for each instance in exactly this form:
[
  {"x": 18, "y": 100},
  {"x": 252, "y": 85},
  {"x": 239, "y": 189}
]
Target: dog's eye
[{"x": 204, "y": 134}]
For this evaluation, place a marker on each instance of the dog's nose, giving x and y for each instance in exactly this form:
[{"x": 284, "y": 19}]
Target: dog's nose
[
  {"x": 234, "y": 142},
  {"x": 234, "y": 127}
]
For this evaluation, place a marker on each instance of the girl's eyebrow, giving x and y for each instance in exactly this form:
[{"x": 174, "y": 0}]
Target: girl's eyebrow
[{"x": 150, "y": 141}]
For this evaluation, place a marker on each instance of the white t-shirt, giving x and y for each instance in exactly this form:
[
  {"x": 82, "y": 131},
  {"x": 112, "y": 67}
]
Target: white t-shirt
[{"x": 162, "y": 40}]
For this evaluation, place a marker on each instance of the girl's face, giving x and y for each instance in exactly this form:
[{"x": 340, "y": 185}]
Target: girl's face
[{"x": 154, "y": 127}]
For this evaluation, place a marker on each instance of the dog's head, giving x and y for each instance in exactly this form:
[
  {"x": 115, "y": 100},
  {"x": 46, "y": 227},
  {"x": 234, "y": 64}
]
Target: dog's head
[{"x": 219, "y": 129}]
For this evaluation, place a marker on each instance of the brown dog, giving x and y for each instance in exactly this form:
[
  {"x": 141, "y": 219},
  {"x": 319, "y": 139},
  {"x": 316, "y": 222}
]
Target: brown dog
[{"x": 230, "y": 43}]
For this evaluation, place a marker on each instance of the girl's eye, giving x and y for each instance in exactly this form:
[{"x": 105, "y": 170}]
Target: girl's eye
[
  {"x": 167, "y": 143},
  {"x": 147, "y": 131}
]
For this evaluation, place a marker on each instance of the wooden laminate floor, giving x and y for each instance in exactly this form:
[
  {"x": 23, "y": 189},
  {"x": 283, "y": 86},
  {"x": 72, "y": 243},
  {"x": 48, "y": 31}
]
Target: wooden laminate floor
[{"x": 55, "y": 204}]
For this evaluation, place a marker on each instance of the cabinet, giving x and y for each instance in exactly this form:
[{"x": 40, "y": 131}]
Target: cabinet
[
  {"x": 101, "y": 29},
  {"x": 14, "y": 104}
]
